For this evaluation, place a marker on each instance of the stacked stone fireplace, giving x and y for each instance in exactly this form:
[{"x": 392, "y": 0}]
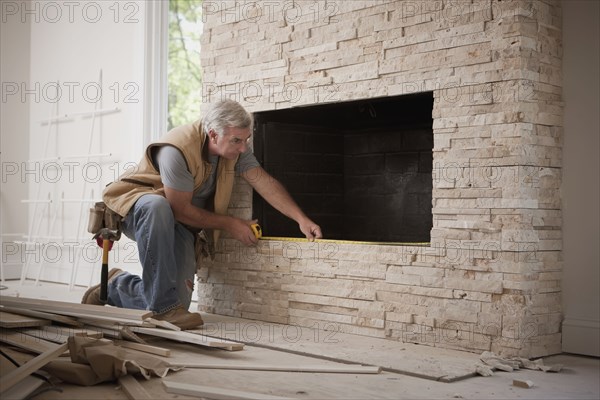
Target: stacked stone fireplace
[{"x": 469, "y": 256}]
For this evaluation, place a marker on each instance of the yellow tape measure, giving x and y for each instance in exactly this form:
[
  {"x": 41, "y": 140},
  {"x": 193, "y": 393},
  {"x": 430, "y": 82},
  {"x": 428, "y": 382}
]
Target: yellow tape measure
[
  {"x": 257, "y": 231},
  {"x": 354, "y": 242}
]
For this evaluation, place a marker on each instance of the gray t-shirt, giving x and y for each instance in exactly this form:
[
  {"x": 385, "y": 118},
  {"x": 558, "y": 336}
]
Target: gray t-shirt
[{"x": 174, "y": 173}]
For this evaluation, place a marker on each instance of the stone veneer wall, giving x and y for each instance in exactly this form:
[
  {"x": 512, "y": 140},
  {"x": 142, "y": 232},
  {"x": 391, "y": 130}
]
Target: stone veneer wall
[{"x": 490, "y": 279}]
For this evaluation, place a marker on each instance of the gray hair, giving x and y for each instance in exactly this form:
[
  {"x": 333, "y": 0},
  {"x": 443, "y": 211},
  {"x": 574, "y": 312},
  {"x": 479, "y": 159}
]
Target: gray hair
[{"x": 226, "y": 113}]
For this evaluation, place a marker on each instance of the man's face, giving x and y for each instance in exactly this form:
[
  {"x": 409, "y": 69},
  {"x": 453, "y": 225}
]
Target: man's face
[{"x": 233, "y": 142}]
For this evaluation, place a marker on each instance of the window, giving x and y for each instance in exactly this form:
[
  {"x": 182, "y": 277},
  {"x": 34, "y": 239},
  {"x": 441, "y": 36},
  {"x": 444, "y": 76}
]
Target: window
[{"x": 183, "y": 66}]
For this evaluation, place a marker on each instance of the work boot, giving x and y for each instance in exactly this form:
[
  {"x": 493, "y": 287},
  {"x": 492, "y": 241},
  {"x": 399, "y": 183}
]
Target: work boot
[
  {"x": 181, "y": 317},
  {"x": 92, "y": 295}
]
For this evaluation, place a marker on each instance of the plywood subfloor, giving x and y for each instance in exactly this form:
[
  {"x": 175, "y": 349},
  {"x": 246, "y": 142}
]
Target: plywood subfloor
[
  {"x": 578, "y": 380},
  {"x": 406, "y": 358}
]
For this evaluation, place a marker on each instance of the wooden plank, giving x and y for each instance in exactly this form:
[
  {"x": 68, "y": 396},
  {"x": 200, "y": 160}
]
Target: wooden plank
[
  {"x": 215, "y": 393},
  {"x": 75, "y": 309},
  {"x": 59, "y": 334},
  {"x": 333, "y": 369},
  {"x": 9, "y": 320},
  {"x": 159, "y": 351},
  {"x": 117, "y": 331},
  {"x": 13, "y": 377},
  {"x": 43, "y": 315},
  {"x": 28, "y": 385},
  {"x": 133, "y": 389},
  {"x": 163, "y": 324},
  {"x": 109, "y": 332},
  {"x": 523, "y": 383},
  {"x": 86, "y": 318},
  {"x": 26, "y": 342},
  {"x": 128, "y": 334},
  {"x": 60, "y": 330},
  {"x": 188, "y": 337},
  {"x": 114, "y": 322},
  {"x": 42, "y": 335}
]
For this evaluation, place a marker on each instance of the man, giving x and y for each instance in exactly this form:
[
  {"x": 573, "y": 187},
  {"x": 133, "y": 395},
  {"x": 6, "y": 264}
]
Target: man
[{"x": 183, "y": 185}]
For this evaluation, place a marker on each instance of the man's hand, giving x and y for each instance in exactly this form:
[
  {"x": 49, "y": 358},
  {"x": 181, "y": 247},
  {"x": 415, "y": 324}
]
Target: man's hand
[
  {"x": 240, "y": 230},
  {"x": 187, "y": 213},
  {"x": 311, "y": 230},
  {"x": 277, "y": 196}
]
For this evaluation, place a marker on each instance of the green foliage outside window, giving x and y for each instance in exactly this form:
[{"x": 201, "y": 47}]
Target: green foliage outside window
[{"x": 184, "y": 73}]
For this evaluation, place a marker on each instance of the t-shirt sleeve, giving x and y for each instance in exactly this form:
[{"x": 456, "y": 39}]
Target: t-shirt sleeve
[
  {"x": 246, "y": 161},
  {"x": 173, "y": 169}
]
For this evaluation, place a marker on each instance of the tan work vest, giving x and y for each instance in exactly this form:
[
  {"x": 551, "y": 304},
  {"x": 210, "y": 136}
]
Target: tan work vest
[{"x": 143, "y": 179}]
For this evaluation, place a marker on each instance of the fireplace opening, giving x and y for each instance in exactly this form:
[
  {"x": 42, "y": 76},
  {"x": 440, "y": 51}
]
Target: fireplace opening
[{"x": 361, "y": 169}]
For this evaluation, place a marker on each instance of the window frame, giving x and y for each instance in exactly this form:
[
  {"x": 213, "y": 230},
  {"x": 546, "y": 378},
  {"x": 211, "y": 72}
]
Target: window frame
[{"x": 156, "y": 93}]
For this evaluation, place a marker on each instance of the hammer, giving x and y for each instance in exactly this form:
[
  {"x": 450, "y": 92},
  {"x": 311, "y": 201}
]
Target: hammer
[{"x": 105, "y": 238}]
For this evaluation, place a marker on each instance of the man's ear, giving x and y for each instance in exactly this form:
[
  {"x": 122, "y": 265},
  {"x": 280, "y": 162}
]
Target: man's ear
[{"x": 212, "y": 135}]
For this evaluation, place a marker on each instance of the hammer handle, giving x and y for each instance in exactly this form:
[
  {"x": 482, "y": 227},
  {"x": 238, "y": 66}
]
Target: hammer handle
[{"x": 104, "y": 272}]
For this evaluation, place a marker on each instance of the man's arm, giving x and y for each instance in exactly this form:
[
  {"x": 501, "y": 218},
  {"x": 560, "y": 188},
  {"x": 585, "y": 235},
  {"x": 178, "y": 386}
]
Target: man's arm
[
  {"x": 276, "y": 195},
  {"x": 185, "y": 212},
  {"x": 178, "y": 183}
]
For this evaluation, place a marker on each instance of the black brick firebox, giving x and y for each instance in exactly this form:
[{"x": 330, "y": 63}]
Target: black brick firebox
[{"x": 361, "y": 169}]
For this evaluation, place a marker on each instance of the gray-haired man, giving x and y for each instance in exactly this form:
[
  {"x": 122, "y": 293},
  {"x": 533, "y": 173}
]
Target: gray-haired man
[{"x": 182, "y": 185}]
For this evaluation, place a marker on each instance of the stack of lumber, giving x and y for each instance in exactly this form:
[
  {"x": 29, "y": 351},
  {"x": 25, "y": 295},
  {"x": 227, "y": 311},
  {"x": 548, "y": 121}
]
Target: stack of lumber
[
  {"x": 117, "y": 323},
  {"x": 42, "y": 327}
]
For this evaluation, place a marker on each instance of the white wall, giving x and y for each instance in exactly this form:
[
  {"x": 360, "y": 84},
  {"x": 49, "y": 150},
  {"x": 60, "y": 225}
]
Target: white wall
[
  {"x": 581, "y": 187},
  {"x": 14, "y": 138},
  {"x": 71, "y": 42}
]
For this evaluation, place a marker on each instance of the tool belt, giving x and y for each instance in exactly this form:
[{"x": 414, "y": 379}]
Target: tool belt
[{"x": 103, "y": 217}]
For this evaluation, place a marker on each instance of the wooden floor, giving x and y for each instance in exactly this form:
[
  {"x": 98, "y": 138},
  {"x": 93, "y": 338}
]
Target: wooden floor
[{"x": 410, "y": 371}]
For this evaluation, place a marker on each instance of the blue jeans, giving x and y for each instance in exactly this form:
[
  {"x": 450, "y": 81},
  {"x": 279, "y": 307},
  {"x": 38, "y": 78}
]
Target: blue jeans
[{"x": 166, "y": 250}]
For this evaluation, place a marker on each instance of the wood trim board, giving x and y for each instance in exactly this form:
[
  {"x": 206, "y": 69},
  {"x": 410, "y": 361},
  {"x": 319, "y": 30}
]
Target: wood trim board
[
  {"x": 187, "y": 337},
  {"x": 159, "y": 351},
  {"x": 215, "y": 393},
  {"x": 43, "y": 315},
  {"x": 339, "y": 369},
  {"x": 59, "y": 335},
  {"x": 10, "y": 320},
  {"x": 163, "y": 324},
  {"x": 75, "y": 309},
  {"x": 27, "y": 386},
  {"x": 133, "y": 389},
  {"x": 27, "y": 342},
  {"x": 15, "y": 376}
]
